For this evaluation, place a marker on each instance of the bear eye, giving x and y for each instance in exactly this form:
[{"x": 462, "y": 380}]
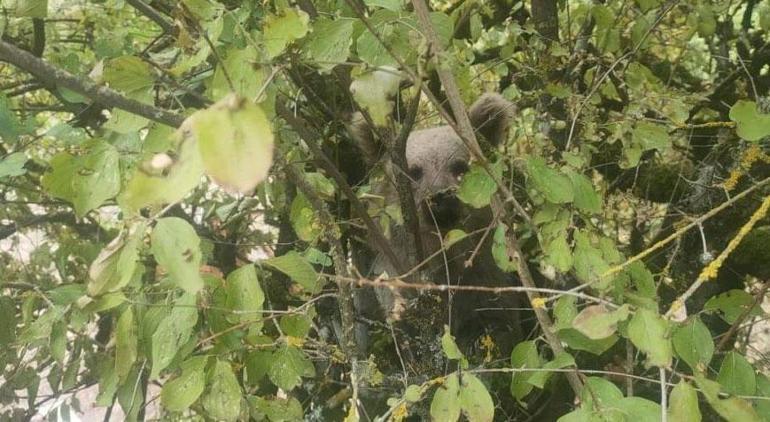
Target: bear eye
[
  {"x": 458, "y": 168},
  {"x": 415, "y": 173}
]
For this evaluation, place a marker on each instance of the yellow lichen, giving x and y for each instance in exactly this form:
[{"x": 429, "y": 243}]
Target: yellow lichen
[{"x": 538, "y": 303}]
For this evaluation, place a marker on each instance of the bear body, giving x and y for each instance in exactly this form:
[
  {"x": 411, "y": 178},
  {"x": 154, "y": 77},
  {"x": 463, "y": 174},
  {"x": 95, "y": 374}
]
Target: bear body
[{"x": 437, "y": 159}]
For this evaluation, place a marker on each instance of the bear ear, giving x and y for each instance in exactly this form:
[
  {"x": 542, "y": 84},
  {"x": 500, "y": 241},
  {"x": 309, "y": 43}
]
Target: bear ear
[
  {"x": 491, "y": 116},
  {"x": 362, "y": 134}
]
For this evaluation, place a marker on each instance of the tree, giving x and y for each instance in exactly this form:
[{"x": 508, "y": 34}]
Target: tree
[{"x": 186, "y": 217}]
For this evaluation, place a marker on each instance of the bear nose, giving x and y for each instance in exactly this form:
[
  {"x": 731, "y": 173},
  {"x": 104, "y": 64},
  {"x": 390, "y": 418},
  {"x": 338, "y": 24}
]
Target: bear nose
[{"x": 443, "y": 197}]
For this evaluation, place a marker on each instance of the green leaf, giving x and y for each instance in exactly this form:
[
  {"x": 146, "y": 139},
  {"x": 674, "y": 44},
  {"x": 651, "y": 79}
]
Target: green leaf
[
  {"x": 600, "y": 393},
  {"x": 477, "y": 186},
  {"x": 115, "y": 265},
  {"x": 131, "y": 394},
  {"x": 245, "y": 297},
  {"x": 449, "y": 346},
  {"x": 445, "y": 405},
  {"x": 646, "y": 5},
  {"x": 733, "y": 409},
  {"x": 329, "y": 45},
  {"x": 176, "y": 247},
  {"x": 562, "y": 360},
  {"x": 564, "y": 311},
  {"x": 393, "y": 5},
  {"x": 321, "y": 184},
  {"x": 288, "y": 368},
  {"x": 693, "y": 343},
  {"x": 683, "y": 403},
  {"x": 57, "y": 342},
  {"x": 590, "y": 265},
  {"x": 374, "y": 91},
  {"x": 172, "y": 332},
  {"x": 578, "y": 341},
  {"x": 241, "y": 67},
  {"x": 736, "y": 375},
  {"x": 13, "y": 165},
  {"x": 639, "y": 409},
  {"x": 303, "y": 219},
  {"x": 732, "y": 304},
  {"x": 475, "y": 401},
  {"x": 555, "y": 187},
  {"x": 235, "y": 141},
  {"x": 258, "y": 363},
  {"x": 501, "y": 252},
  {"x": 649, "y": 332},
  {"x": 581, "y": 415},
  {"x": 222, "y": 400},
  {"x": 650, "y": 136},
  {"x": 125, "y": 343},
  {"x": 30, "y": 8},
  {"x": 524, "y": 355},
  {"x": 763, "y": 390},
  {"x": 10, "y": 127},
  {"x": 596, "y": 322},
  {"x": 130, "y": 75},
  {"x": 181, "y": 392},
  {"x": 751, "y": 124},
  {"x": 277, "y": 410},
  {"x": 297, "y": 325},
  {"x": 454, "y": 236},
  {"x": 164, "y": 178},
  {"x": 280, "y": 31},
  {"x": 586, "y": 196},
  {"x": 85, "y": 180},
  {"x": 8, "y": 321},
  {"x": 297, "y": 268},
  {"x": 558, "y": 253}
]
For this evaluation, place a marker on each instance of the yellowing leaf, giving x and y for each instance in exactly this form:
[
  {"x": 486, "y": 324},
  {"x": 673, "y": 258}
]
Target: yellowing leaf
[
  {"x": 751, "y": 124},
  {"x": 235, "y": 141},
  {"x": 374, "y": 91},
  {"x": 445, "y": 405},
  {"x": 597, "y": 322},
  {"x": 115, "y": 265},
  {"x": 163, "y": 179},
  {"x": 475, "y": 401},
  {"x": 683, "y": 404},
  {"x": 280, "y": 31}
]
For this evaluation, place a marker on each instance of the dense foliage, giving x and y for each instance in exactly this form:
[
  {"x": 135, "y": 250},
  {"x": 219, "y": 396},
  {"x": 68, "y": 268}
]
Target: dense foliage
[{"x": 185, "y": 217}]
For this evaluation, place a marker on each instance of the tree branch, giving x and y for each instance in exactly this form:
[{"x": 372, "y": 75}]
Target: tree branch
[
  {"x": 545, "y": 15},
  {"x": 466, "y": 131},
  {"x": 330, "y": 233},
  {"x": 52, "y": 76},
  {"x": 312, "y": 142},
  {"x": 153, "y": 15}
]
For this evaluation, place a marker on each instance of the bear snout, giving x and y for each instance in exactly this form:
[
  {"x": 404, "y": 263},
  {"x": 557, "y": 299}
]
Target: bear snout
[{"x": 445, "y": 208}]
